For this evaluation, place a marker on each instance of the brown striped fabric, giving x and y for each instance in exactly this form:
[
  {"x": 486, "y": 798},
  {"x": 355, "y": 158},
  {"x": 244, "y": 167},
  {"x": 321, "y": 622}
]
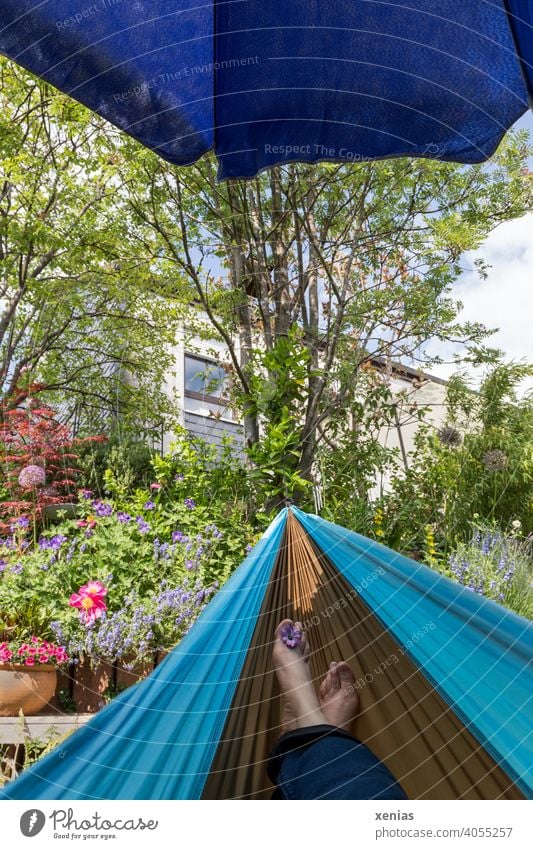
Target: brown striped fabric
[{"x": 402, "y": 718}]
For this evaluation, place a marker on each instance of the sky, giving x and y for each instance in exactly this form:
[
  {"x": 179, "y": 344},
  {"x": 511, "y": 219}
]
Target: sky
[{"x": 505, "y": 300}]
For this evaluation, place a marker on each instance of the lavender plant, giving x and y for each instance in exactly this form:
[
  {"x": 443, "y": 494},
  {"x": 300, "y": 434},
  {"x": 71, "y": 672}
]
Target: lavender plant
[
  {"x": 497, "y": 566},
  {"x": 141, "y": 627}
]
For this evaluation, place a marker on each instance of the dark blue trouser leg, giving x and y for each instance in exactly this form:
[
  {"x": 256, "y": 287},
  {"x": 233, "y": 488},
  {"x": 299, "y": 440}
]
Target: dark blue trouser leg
[{"x": 323, "y": 762}]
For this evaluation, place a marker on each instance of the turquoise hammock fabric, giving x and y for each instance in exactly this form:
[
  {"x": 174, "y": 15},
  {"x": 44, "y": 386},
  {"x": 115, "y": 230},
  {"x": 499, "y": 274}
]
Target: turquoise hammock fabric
[
  {"x": 265, "y": 83},
  {"x": 160, "y": 738},
  {"x": 479, "y": 655}
]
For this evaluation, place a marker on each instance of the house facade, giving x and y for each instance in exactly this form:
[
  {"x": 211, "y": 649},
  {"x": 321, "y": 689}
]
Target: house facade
[{"x": 196, "y": 382}]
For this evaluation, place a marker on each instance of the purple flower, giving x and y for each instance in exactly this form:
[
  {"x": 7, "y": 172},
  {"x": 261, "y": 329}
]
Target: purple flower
[
  {"x": 178, "y": 478},
  {"x": 102, "y": 509},
  {"x": 86, "y": 493},
  {"x": 144, "y": 527},
  {"x": 17, "y": 568},
  {"x": 57, "y": 541},
  {"x": 190, "y": 503},
  {"x": 88, "y": 533},
  {"x": 177, "y": 536},
  {"x": 249, "y": 548},
  {"x": 31, "y": 476},
  {"x": 291, "y": 636},
  {"x": 3, "y": 565},
  {"x": 123, "y": 518},
  {"x": 149, "y": 505},
  {"x": 54, "y": 543},
  {"x": 23, "y": 522}
]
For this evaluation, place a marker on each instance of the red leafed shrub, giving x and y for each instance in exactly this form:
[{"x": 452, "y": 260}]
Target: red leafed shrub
[{"x": 30, "y": 436}]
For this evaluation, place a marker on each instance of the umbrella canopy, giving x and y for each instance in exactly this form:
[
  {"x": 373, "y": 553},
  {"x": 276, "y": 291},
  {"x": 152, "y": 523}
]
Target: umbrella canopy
[
  {"x": 266, "y": 83},
  {"x": 444, "y": 679}
]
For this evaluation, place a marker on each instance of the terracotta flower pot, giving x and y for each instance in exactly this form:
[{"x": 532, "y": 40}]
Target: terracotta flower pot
[{"x": 26, "y": 688}]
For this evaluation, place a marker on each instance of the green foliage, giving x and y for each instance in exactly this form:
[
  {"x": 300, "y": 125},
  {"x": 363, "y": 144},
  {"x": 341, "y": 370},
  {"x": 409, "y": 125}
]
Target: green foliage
[
  {"x": 276, "y": 395},
  {"x": 79, "y": 315},
  {"x": 116, "y": 467},
  {"x": 485, "y": 471}
]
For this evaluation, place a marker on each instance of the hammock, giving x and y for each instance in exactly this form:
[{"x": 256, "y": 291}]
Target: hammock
[
  {"x": 442, "y": 675},
  {"x": 264, "y": 83}
]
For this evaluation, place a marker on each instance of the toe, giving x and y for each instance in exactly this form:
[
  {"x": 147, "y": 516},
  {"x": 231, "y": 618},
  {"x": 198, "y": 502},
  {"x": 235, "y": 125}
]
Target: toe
[
  {"x": 304, "y": 643},
  {"x": 345, "y": 674},
  {"x": 282, "y": 624},
  {"x": 334, "y": 675}
]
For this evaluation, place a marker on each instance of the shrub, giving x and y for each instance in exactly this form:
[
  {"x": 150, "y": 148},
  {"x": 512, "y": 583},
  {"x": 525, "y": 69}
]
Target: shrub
[
  {"x": 116, "y": 467},
  {"x": 39, "y": 461},
  {"x": 496, "y": 566}
]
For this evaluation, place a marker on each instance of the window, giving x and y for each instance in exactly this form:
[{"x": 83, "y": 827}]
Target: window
[{"x": 206, "y": 387}]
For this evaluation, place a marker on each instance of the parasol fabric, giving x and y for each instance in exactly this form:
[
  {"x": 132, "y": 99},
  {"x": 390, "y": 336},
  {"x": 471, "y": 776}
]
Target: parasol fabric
[
  {"x": 263, "y": 83},
  {"x": 443, "y": 674}
]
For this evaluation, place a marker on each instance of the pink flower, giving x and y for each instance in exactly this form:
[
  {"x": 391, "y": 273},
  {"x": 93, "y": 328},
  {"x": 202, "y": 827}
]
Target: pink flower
[
  {"x": 31, "y": 476},
  {"x": 29, "y": 661},
  {"x": 5, "y": 654},
  {"x": 90, "y": 601},
  {"x": 155, "y": 486}
]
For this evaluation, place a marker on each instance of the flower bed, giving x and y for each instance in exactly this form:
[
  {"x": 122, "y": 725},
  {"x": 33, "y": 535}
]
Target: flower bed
[{"x": 121, "y": 582}]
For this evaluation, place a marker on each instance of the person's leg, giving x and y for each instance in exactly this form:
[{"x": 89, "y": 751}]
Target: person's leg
[{"x": 316, "y": 756}]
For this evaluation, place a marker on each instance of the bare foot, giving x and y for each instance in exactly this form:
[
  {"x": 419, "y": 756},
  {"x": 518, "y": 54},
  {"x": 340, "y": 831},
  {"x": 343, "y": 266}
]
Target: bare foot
[
  {"x": 287, "y": 712},
  {"x": 300, "y": 707},
  {"x": 338, "y": 697}
]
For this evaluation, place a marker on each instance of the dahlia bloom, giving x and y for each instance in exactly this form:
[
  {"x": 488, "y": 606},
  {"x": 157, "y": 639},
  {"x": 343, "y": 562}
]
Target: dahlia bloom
[
  {"x": 31, "y": 476},
  {"x": 90, "y": 601}
]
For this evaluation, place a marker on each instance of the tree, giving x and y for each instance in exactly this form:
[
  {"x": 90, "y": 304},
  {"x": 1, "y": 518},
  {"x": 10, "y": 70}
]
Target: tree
[
  {"x": 75, "y": 315},
  {"x": 308, "y": 274}
]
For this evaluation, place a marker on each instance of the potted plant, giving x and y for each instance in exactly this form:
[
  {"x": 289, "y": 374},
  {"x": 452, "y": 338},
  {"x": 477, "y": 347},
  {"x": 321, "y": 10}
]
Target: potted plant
[{"x": 28, "y": 675}]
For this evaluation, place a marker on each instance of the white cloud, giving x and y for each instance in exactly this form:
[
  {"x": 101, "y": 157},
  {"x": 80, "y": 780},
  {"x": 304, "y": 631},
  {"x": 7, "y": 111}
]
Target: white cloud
[{"x": 504, "y": 301}]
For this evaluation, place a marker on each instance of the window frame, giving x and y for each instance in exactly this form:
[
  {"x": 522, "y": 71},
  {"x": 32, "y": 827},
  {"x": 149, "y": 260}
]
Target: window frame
[{"x": 219, "y": 400}]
